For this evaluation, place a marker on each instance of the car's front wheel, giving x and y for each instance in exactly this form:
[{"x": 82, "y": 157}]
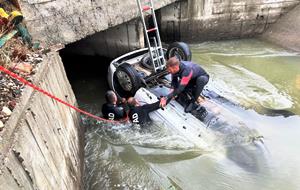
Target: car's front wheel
[{"x": 126, "y": 80}]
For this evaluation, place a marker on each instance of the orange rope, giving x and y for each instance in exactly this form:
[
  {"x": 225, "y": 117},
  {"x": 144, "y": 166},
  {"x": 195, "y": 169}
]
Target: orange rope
[{"x": 24, "y": 81}]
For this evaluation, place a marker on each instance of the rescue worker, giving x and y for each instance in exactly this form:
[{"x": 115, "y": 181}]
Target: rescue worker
[
  {"x": 187, "y": 75},
  {"x": 139, "y": 114},
  {"x": 112, "y": 109}
]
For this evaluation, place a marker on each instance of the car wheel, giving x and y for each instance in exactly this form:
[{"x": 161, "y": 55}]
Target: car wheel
[
  {"x": 146, "y": 62},
  {"x": 127, "y": 80},
  {"x": 180, "y": 50}
]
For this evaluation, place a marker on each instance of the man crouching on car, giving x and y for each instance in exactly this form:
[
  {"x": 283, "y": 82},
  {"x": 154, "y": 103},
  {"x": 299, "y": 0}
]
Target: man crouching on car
[{"x": 185, "y": 75}]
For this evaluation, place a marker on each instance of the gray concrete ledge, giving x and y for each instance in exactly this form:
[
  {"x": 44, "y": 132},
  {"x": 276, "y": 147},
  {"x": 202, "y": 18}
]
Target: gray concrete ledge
[
  {"x": 67, "y": 21},
  {"x": 41, "y": 145}
]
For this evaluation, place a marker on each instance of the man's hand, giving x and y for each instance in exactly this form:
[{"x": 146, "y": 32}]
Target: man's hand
[
  {"x": 162, "y": 102},
  {"x": 123, "y": 100}
]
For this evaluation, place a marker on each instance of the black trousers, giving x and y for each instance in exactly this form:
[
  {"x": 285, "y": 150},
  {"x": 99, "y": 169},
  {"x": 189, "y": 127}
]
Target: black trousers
[{"x": 195, "y": 86}]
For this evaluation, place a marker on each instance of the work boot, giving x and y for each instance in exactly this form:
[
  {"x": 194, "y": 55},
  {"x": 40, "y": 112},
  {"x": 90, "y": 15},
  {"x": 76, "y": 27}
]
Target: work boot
[
  {"x": 190, "y": 107},
  {"x": 200, "y": 112}
]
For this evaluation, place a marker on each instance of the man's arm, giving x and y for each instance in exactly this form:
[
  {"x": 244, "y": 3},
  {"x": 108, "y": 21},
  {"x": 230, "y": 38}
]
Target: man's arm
[
  {"x": 186, "y": 77},
  {"x": 151, "y": 107},
  {"x": 156, "y": 105},
  {"x": 174, "y": 82},
  {"x": 120, "y": 100}
]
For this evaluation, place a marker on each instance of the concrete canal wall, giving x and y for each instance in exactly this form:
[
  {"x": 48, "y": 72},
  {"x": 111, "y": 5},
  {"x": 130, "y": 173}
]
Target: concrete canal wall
[
  {"x": 66, "y": 21},
  {"x": 40, "y": 146},
  {"x": 204, "y": 20},
  {"x": 190, "y": 21},
  {"x": 112, "y": 42},
  {"x": 286, "y": 31},
  {"x": 110, "y": 28}
]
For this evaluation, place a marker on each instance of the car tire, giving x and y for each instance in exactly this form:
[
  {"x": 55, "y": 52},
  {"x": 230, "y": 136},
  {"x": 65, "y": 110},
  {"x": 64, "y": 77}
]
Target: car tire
[
  {"x": 180, "y": 50},
  {"x": 126, "y": 80},
  {"x": 146, "y": 62}
]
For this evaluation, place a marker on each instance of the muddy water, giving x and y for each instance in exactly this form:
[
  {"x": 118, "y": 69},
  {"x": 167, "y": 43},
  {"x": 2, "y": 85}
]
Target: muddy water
[{"x": 259, "y": 83}]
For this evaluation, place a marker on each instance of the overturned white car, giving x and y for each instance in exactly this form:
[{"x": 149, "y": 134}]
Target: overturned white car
[
  {"x": 142, "y": 74},
  {"x": 133, "y": 74},
  {"x": 214, "y": 127}
]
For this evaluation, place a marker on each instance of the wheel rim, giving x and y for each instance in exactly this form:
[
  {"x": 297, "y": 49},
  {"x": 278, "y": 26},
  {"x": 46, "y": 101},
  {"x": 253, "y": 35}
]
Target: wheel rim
[
  {"x": 124, "y": 80},
  {"x": 177, "y": 52}
]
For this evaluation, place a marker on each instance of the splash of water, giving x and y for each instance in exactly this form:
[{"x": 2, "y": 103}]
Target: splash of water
[{"x": 246, "y": 88}]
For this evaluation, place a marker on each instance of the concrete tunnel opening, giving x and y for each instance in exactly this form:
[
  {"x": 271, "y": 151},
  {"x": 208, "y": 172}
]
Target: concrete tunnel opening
[
  {"x": 84, "y": 68},
  {"x": 86, "y": 61},
  {"x": 87, "y": 76}
]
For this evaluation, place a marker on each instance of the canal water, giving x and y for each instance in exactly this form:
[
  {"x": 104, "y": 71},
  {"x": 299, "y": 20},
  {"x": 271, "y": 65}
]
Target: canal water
[{"x": 258, "y": 82}]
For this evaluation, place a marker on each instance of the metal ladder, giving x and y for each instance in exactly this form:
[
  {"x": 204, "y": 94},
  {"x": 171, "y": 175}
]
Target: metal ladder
[{"x": 156, "y": 52}]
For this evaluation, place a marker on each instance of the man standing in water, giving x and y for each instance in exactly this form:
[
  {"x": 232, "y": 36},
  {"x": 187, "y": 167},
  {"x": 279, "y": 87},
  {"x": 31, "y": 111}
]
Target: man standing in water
[
  {"x": 187, "y": 75},
  {"x": 111, "y": 109},
  {"x": 139, "y": 114}
]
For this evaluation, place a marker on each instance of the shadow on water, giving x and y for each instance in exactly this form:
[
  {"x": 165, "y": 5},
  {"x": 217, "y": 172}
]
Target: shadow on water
[
  {"x": 252, "y": 157},
  {"x": 169, "y": 158},
  {"x": 242, "y": 144},
  {"x": 273, "y": 112}
]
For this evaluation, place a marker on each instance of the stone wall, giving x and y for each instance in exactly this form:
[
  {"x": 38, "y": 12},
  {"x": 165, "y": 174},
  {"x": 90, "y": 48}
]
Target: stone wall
[
  {"x": 112, "y": 42},
  {"x": 66, "y": 21},
  {"x": 109, "y": 29},
  {"x": 286, "y": 31},
  {"x": 202, "y": 20},
  {"x": 40, "y": 145}
]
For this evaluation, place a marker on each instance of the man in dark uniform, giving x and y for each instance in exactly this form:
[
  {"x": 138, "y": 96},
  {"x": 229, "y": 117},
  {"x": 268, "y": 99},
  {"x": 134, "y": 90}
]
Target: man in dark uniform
[
  {"x": 139, "y": 114},
  {"x": 113, "y": 110},
  {"x": 186, "y": 74}
]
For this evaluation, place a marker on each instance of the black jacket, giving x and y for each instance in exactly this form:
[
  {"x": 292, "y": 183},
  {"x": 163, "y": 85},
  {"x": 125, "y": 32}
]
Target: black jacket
[
  {"x": 140, "y": 114},
  {"x": 188, "y": 72},
  {"x": 113, "y": 111}
]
